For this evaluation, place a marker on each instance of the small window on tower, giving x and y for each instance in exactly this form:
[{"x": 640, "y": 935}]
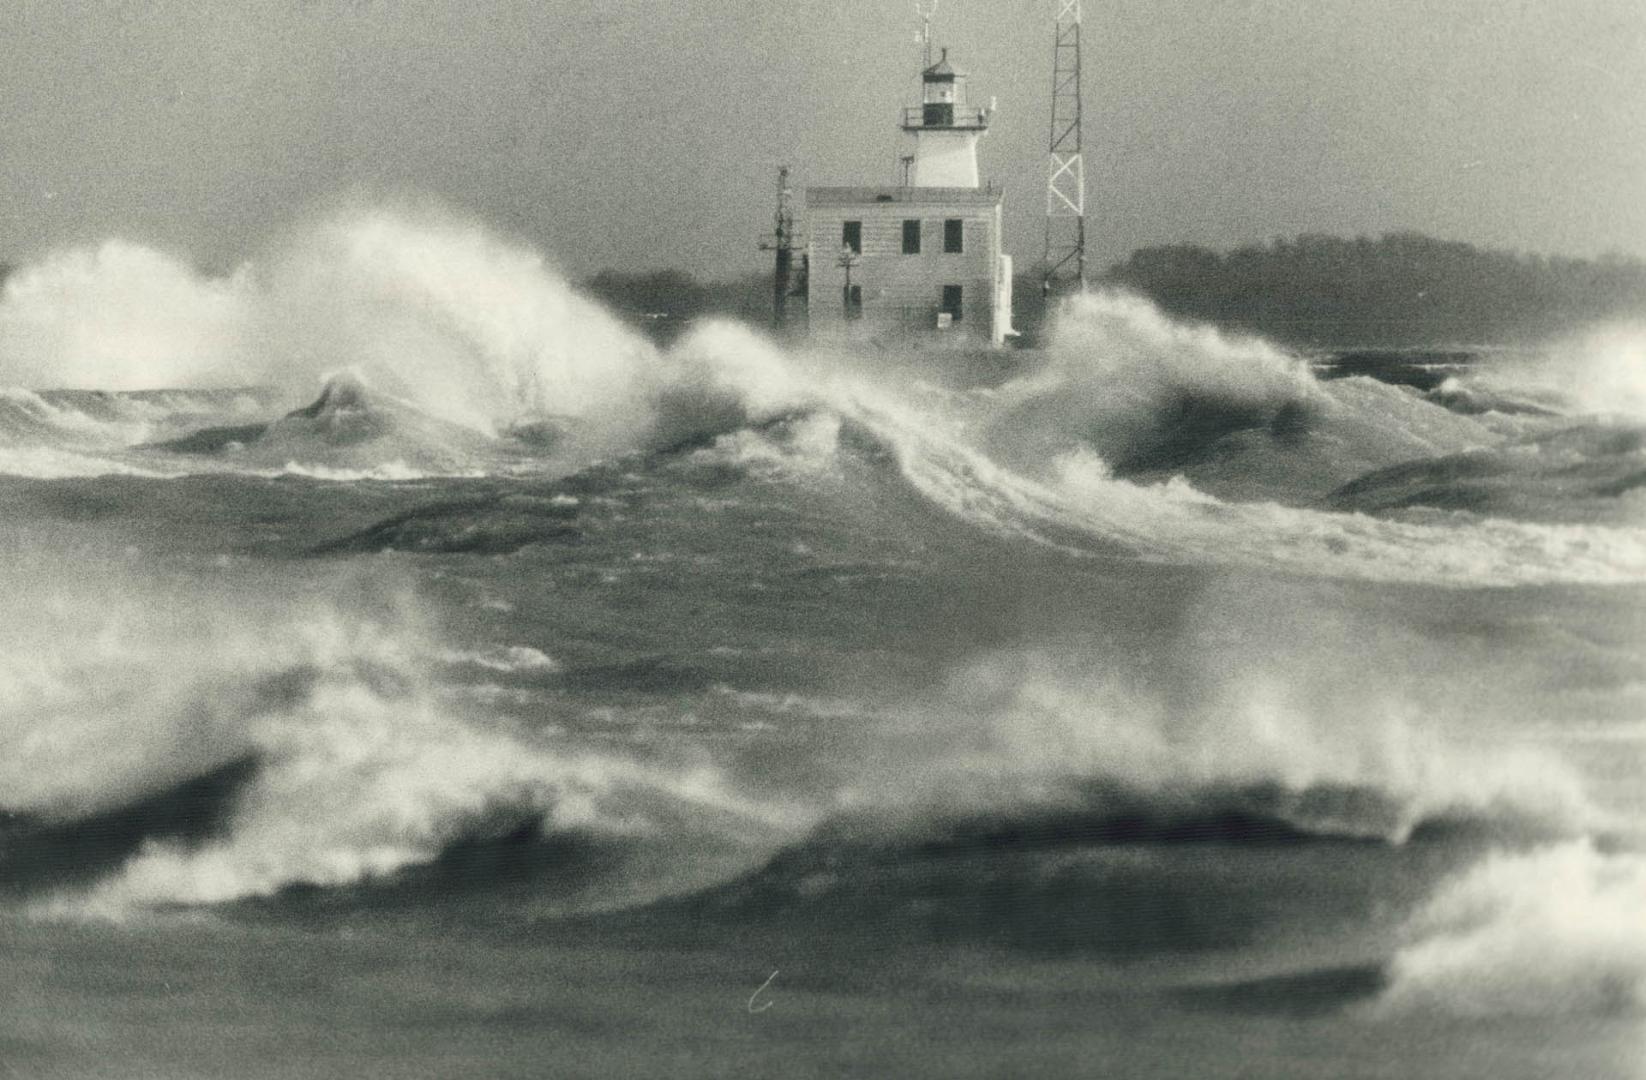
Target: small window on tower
[
  {"x": 954, "y": 236},
  {"x": 911, "y": 237},
  {"x": 952, "y": 302},
  {"x": 851, "y": 236}
]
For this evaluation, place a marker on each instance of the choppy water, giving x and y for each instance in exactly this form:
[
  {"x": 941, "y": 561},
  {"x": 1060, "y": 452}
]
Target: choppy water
[{"x": 407, "y": 671}]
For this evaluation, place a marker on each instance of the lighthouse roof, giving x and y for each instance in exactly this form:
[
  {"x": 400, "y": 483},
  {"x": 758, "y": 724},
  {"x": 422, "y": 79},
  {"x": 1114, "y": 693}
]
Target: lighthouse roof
[
  {"x": 866, "y": 197},
  {"x": 942, "y": 71}
]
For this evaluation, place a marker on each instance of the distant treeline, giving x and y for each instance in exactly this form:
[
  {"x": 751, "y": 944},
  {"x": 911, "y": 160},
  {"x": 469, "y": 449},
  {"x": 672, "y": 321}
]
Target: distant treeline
[{"x": 1399, "y": 289}]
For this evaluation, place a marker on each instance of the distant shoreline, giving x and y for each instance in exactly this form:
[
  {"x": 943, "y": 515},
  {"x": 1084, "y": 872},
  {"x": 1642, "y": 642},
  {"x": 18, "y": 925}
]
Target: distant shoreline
[{"x": 1402, "y": 290}]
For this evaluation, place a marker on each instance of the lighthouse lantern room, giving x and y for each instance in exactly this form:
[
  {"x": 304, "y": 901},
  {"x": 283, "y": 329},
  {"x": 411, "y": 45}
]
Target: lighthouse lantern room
[{"x": 945, "y": 129}]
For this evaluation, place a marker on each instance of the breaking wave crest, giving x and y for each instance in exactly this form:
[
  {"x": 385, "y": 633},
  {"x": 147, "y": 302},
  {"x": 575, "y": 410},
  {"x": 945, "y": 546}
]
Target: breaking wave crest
[
  {"x": 121, "y": 317},
  {"x": 1600, "y": 372},
  {"x": 478, "y": 348},
  {"x": 439, "y": 350},
  {"x": 1593, "y": 470},
  {"x": 359, "y": 764},
  {"x": 1079, "y": 503},
  {"x": 1045, "y": 457},
  {"x": 432, "y": 309},
  {"x": 55, "y": 434},
  {"x": 1552, "y": 931},
  {"x": 1316, "y": 749},
  {"x": 1239, "y": 417}
]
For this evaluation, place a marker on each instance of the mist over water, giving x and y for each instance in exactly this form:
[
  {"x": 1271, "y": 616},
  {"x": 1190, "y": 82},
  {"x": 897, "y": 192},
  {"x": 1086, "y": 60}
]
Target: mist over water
[
  {"x": 122, "y": 317},
  {"x": 389, "y": 582}
]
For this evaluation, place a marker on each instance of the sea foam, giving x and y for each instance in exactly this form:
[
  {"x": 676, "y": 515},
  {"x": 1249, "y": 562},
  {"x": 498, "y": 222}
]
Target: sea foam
[
  {"x": 361, "y": 765},
  {"x": 1555, "y": 930}
]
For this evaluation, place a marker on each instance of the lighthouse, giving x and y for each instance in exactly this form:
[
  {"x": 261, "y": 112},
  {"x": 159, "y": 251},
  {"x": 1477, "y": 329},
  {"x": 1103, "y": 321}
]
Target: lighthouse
[
  {"x": 945, "y": 129},
  {"x": 920, "y": 261}
]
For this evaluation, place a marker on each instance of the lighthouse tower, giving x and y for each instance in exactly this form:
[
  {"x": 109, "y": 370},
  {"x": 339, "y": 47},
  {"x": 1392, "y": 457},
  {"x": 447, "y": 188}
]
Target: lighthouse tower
[
  {"x": 945, "y": 129},
  {"x": 920, "y": 262}
]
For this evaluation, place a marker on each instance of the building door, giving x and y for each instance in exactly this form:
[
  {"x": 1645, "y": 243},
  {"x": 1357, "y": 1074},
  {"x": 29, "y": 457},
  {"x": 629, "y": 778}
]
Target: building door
[
  {"x": 854, "y": 302},
  {"x": 951, "y": 301}
]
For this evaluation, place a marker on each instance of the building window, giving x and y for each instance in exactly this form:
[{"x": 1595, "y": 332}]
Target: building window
[
  {"x": 951, "y": 301},
  {"x": 851, "y": 236},
  {"x": 953, "y": 236},
  {"x": 854, "y": 302},
  {"x": 911, "y": 237}
]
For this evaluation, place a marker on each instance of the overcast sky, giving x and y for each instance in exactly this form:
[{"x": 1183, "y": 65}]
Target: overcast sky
[{"x": 643, "y": 134}]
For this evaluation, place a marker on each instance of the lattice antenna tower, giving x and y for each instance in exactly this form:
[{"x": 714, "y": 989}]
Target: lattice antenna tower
[{"x": 1066, "y": 169}]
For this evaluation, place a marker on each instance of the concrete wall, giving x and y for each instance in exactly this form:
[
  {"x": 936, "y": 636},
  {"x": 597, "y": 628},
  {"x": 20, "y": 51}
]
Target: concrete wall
[{"x": 903, "y": 293}]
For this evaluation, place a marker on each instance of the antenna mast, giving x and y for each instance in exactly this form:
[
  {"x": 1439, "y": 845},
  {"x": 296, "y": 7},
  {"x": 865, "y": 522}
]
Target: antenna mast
[
  {"x": 783, "y": 244},
  {"x": 1066, "y": 174},
  {"x": 924, "y": 10}
]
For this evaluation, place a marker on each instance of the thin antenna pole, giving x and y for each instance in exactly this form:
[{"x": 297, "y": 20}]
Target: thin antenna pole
[
  {"x": 782, "y": 244},
  {"x": 1065, "y": 264},
  {"x": 924, "y": 10}
]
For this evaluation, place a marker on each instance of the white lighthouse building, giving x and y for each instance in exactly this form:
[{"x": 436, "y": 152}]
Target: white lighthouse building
[
  {"x": 945, "y": 130},
  {"x": 922, "y": 258}
]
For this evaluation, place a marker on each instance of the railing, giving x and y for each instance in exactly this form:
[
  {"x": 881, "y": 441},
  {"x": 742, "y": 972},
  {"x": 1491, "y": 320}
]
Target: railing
[{"x": 938, "y": 115}]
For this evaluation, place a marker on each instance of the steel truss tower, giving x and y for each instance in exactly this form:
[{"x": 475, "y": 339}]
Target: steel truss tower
[{"x": 1065, "y": 264}]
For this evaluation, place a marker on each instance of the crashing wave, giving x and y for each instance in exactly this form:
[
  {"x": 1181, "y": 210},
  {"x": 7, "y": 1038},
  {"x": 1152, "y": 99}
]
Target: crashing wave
[
  {"x": 1553, "y": 931},
  {"x": 242, "y": 756},
  {"x": 1237, "y": 416}
]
